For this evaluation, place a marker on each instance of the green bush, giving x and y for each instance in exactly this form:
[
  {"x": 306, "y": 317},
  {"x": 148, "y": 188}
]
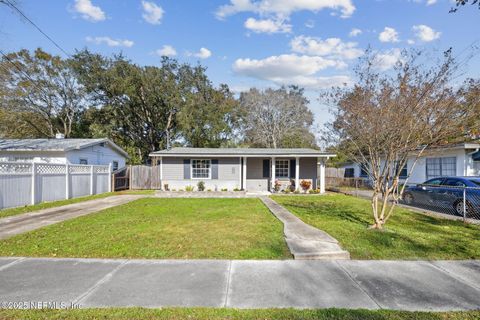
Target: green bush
[
  {"x": 201, "y": 186},
  {"x": 237, "y": 189},
  {"x": 224, "y": 189},
  {"x": 189, "y": 188}
]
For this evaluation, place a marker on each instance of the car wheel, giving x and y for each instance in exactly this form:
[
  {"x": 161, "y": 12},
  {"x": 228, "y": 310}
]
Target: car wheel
[
  {"x": 408, "y": 198},
  {"x": 459, "y": 209}
]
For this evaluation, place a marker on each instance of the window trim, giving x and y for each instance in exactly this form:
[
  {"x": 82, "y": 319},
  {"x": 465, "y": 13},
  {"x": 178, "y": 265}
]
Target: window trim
[
  {"x": 442, "y": 174},
  {"x": 209, "y": 169},
  {"x": 288, "y": 168},
  {"x": 113, "y": 165}
]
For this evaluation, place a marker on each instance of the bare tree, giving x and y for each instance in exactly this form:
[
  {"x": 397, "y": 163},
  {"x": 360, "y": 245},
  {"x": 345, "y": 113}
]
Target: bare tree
[
  {"x": 387, "y": 118},
  {"x": 272, "y": 117}
]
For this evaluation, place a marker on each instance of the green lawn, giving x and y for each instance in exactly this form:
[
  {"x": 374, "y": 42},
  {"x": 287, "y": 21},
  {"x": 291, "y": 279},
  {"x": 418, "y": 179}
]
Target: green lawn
[
  {"x": 45, "y": 205},
  {"x": 407, "y": 235},
  {"x": 161, "y": 228},
  {"x": 218, "y": 314}
]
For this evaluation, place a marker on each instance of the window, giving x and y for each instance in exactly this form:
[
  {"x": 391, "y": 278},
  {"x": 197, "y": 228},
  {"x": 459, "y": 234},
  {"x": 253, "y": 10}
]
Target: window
[
  {"x": 282, "y": 168},
  {"x": 201, "y": 169},
  {"x": 403, "y": 172},
  {"x": 438, "y": 167},
  {"x": 363, "y": 170},
  {"x": 83, "y": 161},
  {"x": 349, "y": 173},
  {"x": 115, "y": 165},
  {"x": 454, "y": 183}
]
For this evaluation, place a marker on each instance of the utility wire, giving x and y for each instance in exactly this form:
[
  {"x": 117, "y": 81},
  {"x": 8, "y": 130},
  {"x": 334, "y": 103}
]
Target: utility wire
[{"x": 11, "y": 5}]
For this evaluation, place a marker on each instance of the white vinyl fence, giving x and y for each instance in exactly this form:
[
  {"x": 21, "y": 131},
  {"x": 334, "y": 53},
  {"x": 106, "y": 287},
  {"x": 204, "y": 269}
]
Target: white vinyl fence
[{"x": 30, "y": 183}]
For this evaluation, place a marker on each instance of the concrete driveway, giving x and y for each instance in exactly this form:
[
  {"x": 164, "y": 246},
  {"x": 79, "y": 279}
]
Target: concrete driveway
[
  {"x": 21, "y": 223},
  {"x": 401, "y": 285}
]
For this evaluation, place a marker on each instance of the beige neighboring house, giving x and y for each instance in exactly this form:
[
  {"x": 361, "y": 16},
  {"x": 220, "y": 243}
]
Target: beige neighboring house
[
  {"x": 72, "y": 151},
  {"x": 249, "y": 169}
]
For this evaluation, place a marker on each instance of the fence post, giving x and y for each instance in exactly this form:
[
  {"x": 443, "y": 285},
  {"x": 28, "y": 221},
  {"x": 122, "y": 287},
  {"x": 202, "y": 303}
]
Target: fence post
[
  {"x": 110, "y": 179},
  {"x": 67, "y": 181},
  {"x": 464, "y": 204},
  {"x": 34, "y": 182},
  {"x": 91, "y": 180}
]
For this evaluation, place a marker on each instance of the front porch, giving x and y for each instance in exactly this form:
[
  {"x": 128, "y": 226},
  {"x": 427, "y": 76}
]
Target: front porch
[{"x": 277, "y": 174}]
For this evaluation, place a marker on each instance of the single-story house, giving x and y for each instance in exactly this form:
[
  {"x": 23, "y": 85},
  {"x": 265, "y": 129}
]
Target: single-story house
[
  {"x": 249, "y": 169},
  {"x": 63, "y": 151},
  {"x": 449, "y": 160}
]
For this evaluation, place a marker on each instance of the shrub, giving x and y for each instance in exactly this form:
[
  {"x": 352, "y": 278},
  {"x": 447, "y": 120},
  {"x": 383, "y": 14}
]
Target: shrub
[
  {"x": 201, "y": 186},
  {"x": 277, "y": 185},
  {"x": 305, "y": 184},
  {"x": 209, "y": 190},
  {"x": 236, "y": 189},
  {"x": 296, "y": 191},
  {"x": 165, "y": 187},
  {"x": 189, "y": 188},
  {"x": 287, "y": 190},
  {"x": 224, "y": 189},
  {"x": 174, "y": 189}
]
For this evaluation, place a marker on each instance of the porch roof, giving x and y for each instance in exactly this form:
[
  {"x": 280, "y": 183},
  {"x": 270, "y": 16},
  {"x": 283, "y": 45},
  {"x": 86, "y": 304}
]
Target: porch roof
[{"x": 242, "y": 152}]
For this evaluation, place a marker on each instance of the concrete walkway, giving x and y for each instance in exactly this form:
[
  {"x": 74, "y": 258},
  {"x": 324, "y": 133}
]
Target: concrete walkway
[
  {"x": 303, "y": 240},
  {"x": 21, "y": 223},
  {"x": 401, "y": 285}
]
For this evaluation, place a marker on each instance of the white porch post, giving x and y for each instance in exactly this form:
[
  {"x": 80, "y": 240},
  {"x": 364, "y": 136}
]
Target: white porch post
[
  {"x": 67, "y": 181},
  {"x": 34, "y": 183},
  {"x": 244, "y": 174},
  {"x": 321, "y": 174},
  {"x": 161, "y": 173},
  {"x": 91, "y": 180},
  {"x": 273, "y": 174},
  {"x": 297, "y": 173}
]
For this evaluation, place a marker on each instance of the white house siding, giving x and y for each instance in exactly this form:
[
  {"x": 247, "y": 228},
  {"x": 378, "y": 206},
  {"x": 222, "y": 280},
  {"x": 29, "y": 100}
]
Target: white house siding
[
  {"x": 96, "y": 155},
  {"x": 33, "y": 156},
  {"x": 228, "y": 174}
]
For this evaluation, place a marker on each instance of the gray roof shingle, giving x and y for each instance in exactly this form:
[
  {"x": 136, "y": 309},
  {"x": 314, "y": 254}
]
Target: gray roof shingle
[
  {"x": 53, "y": 144},
  {"x": 240, "y": 152}
]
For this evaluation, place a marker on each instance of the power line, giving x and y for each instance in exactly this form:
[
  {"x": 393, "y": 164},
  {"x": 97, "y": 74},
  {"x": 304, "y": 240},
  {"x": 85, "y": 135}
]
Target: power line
[{"x": 11, "y": 5}]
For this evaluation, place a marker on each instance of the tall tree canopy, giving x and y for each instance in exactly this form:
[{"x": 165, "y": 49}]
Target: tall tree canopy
[
  {"x": 277, "y": 118},
  {"x": 43, "y": 92}
]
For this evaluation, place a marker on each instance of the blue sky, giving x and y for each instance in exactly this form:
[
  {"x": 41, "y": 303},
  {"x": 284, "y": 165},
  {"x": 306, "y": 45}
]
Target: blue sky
[{"x": 244, "y": 43}]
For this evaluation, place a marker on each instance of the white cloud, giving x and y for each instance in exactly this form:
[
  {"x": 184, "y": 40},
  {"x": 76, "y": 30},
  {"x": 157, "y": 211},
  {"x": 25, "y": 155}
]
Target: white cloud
[
  {"x": 331, "y": 47},
  {"x": 310, "y": 24},
  {"x": 267, "y": 26},
  {"x": 355, "y": 32},
  {"x": 203, "y": 53},
  {"x": 430, "y": 2},
  {"x": 388, "y": 35},
  {"x": 425, "y": 33},
  {"x": 291, "y": 69},
  {"x": 411, "y": 41},
  {"x": 110, "y": 42},
  {"x": 89, "y": 11},
  {"x": 152, "y": 13},
  {"x": 166, "y": 50},
  {"x": 387, "y": 60},
  {"x": 283, "y": 8}
]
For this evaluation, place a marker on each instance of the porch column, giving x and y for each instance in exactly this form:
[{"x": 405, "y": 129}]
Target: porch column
[
  {"x": 244, "y": 172},
  {"x": 297, "y": 173},
  {"x": 321, "y": 174},
  {"x": 240, "y": 173},
  {"x": 273, "y": 175},
  {"x": 161, "y": 173}
]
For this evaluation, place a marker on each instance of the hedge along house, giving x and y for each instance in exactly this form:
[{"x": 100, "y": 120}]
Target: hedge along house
[{"x": 249, "y": 169}]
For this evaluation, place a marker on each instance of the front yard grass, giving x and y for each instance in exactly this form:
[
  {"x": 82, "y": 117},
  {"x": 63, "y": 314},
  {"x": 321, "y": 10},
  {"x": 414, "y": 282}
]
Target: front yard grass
[
  {"x": 161, "y": 228},
  {"x": 45, "y": 205},
  {"x": 407, "y": 235},
  {"x": 219, "y": 314}
]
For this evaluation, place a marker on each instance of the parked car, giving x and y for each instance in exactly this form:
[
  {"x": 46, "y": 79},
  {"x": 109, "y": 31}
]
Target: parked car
[{"x": 447, "y": 193}]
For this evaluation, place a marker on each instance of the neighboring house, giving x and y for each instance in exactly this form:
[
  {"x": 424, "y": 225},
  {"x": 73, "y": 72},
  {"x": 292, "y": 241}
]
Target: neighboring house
[
  {"x": 71, "y": 151},
  {"x": 450, "y": 160},
  {"x": 250, "y": 169}
]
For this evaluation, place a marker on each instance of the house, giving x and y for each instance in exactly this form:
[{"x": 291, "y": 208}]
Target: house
[
  {"x": 59, "y": 150},
  {"x": 449, "y": 160},
  {"x": 249, "y": 169}
]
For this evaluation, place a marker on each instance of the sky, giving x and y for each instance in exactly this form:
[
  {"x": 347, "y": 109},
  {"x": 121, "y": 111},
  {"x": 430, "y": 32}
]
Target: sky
[{"x": 246, "y": 43}]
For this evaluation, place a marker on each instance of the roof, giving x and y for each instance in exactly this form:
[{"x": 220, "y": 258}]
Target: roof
[
  {"x": 52, "y": 145},
  {"x": 244, "y": 152}
]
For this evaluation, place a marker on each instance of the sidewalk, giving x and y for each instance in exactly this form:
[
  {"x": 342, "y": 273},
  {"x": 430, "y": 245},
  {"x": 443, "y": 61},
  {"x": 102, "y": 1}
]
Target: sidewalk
[
  {"x": 21, "y": 223},
  {"x": 401, "y": 285}
]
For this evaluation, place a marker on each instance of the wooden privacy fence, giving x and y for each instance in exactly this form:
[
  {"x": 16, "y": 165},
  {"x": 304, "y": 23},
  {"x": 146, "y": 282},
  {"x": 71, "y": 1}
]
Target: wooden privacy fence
[
  {"x": 335, "y": 177},
  {"x": 145, "y": 177},
  {"x": 30, "y": 183}
]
